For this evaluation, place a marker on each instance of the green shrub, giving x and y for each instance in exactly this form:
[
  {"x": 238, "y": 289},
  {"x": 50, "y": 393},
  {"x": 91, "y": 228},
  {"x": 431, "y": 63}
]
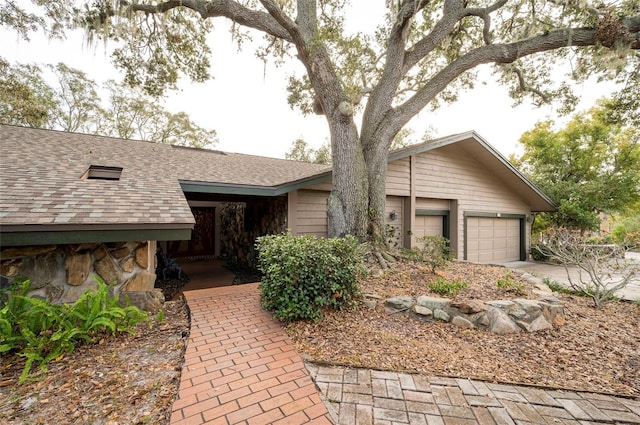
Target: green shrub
[
  {"x": 507, "y": 284},
  {"x": 627, "y": 232},
  {"x": 563, "y": 289},
  {"x": 41, "y": 332},
  {"x": 447, "y": 288},
  {"x": 304, "y": 274},
  {"x": 435, "y": 251}
]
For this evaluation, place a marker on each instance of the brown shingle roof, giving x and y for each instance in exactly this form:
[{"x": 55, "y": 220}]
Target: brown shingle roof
[{"x": 41, "y": 170}]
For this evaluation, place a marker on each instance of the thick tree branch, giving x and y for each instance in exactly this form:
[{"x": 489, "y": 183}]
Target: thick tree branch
[
  {"x": 232, "y": 10},
  {"x": 277, "y": 14},
  {"x": 485, "y": 14},
  {"x": 453, "y": 11},
  {"x": 498, "y": 53},
  {"x": 382, "y": 95}
]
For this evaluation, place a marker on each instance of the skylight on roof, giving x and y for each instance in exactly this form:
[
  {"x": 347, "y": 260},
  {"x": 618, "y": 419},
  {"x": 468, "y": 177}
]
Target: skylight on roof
[{"x": 101, "y": 172}]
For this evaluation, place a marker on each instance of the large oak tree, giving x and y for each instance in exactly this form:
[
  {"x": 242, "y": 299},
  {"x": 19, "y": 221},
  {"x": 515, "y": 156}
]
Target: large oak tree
[{"x": 422, "y": 53}]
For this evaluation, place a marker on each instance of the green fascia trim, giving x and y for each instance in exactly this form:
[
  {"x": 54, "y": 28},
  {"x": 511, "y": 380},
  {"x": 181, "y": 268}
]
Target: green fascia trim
[
  {"x": 230, "y": 189},
  {"x": 432, "y": 212},
  {"x": 90, "y": 236},
  {"x": 523, "y": 230},
  {"x": 226, "y": 189}
]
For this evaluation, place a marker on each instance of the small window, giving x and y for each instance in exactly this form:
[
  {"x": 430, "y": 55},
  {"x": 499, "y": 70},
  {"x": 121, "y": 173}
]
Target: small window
[{"x": 100, "y": 172}]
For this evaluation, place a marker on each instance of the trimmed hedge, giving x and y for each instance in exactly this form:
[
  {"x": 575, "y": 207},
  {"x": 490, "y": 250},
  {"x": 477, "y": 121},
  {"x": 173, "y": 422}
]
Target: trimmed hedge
[{"x": 304, "y": 274}]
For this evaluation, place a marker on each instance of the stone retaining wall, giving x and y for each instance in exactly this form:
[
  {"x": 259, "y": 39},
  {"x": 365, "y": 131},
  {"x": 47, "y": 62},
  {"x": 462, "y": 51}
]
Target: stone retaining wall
[{"x": 61, "y": 273}]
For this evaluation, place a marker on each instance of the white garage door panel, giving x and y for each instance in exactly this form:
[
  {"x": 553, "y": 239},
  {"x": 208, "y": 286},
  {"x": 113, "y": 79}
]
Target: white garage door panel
[{"x": 493, "y": 239}]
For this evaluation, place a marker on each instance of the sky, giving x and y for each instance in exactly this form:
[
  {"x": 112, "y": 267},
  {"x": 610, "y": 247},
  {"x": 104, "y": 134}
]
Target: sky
[{"x": 246, "y": 102}]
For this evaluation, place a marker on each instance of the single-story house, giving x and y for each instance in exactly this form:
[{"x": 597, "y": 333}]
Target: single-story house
[{"x": 91, "y": 204}]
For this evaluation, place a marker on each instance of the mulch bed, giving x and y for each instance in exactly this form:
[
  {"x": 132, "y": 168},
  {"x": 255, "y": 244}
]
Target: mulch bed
[{"x": 596, "y": 350}]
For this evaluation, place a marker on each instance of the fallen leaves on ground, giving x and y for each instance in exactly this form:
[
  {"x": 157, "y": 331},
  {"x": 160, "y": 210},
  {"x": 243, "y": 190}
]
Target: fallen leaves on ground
[
  {"x": 596, "y": 350},
  {"x": 124, "y": 379}
]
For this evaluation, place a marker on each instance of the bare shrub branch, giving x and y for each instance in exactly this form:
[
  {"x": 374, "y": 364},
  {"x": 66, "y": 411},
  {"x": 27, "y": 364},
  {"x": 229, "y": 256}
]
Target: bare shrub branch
[{"x": 601, "y": 269}]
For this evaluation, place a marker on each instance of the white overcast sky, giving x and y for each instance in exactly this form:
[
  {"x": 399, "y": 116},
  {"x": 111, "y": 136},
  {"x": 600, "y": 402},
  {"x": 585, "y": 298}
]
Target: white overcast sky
[{"x": 246, "y": 103}]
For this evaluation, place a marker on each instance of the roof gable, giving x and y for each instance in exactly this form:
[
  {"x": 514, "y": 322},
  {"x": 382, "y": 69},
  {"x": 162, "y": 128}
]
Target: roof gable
[{"x": 476, "y": 146}]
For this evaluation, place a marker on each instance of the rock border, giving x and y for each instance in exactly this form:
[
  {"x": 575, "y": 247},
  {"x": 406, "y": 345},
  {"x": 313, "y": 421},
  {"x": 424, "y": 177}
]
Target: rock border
[{"x": 498, "y": 316}]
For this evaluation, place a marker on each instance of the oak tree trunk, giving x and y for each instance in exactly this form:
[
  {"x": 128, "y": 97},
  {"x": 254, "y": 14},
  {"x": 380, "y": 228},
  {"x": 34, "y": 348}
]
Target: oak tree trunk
[
  {"x": 376, "y": 161},
  {"x": 347, "y": 205}
]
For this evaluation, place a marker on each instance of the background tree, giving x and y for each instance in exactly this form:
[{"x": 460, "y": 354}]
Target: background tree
[
  {"x": 591, "y": 165},
  {"x": 301, "y": 151},
  {"x": 422, "y": 54},
  {"x": 78, "y": 106},
  {"x": 74, "y": 104},
  {"x": 134, "y": 114},
  {"x": 25, "y": 98}
]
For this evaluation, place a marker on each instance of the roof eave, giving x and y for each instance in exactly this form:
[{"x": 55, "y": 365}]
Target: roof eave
[
  {"x": 252, "y": 190},
  {"x": 516, "y": 172},
  {"x": 23, "y": 235}
]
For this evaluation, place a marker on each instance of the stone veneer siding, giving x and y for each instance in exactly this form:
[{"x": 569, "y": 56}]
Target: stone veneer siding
[
  {"x": 242, "y": 223},
  {"x": 61, "y": 273}
]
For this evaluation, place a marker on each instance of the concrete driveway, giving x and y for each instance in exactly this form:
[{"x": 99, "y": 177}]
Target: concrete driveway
[{"x": 558, "y": 273}]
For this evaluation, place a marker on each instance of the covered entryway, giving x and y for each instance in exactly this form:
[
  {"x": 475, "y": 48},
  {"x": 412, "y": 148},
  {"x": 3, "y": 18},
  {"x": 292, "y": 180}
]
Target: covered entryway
[
  {"x": 494, "y": 239},
  {"x": 204, "y": 242}
]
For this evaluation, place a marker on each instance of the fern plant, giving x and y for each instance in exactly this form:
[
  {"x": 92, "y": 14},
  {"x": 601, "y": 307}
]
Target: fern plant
[{"x": 42, "y": 332}]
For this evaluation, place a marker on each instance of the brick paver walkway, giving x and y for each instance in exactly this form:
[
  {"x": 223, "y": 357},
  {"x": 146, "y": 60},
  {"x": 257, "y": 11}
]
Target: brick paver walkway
[
  {"x": 240, "y": 366},
  {"x": 363, "y": 396}
]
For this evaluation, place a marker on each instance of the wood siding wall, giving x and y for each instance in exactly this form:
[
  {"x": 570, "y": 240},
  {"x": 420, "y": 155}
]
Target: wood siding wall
[
  {"x": 309, "y": 212},
  {"x": 449, "y": 173},
  {"x": 432, "y": 204},
  {"x": 395, "y": 203},
  {"x": 399, "y": 177},
  {"x": 446, "y": 178}
]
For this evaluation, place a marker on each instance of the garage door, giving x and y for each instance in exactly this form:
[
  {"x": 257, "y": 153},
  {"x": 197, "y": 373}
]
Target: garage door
[
  {"x": 428, "y": 225},
  {"x": 493, "y": 240}
]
